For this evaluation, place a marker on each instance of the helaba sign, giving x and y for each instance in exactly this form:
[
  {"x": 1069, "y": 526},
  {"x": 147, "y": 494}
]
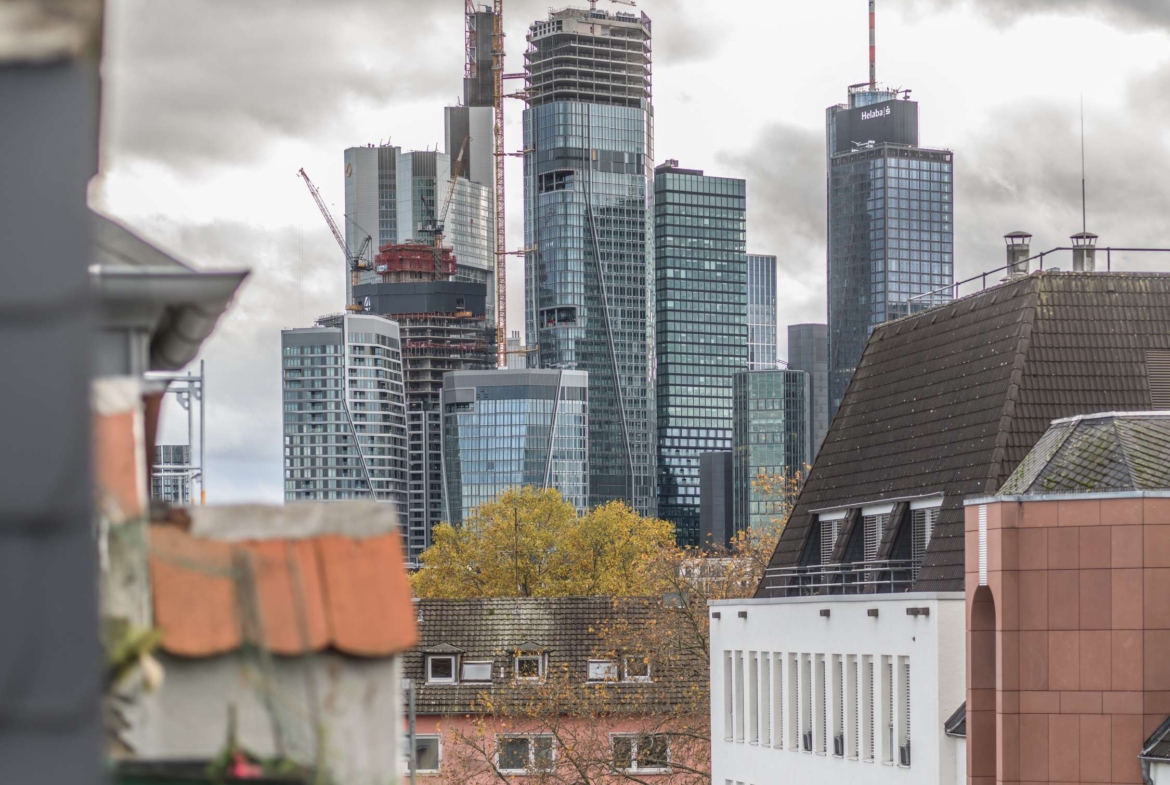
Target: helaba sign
[{"x": 875, "y": 113}]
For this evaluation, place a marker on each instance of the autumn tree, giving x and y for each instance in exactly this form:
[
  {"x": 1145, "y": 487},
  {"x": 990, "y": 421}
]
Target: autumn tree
[{"x": 532, "y": 543}]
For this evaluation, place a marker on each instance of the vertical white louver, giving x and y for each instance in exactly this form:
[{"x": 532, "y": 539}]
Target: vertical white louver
[
  {"x": 753, "y": 698},
  {"x": 874, "y": 526},
  {"x": 728, "y": 702},
  {"x": 922, "y": 524},
  {"x": 778, "y": 701},
  {"x": 982, "y": 544},
  {"x": 867, "y": 710},
  {"x": 829, "y": 531},
  {"x": 906, "y": 700},
  {"x": 839, "y": 714},
  {"x": 856, "y": 753},
  {"x": 765, "y": 700},
  {"x": 822, "y": 694},
  {"x": 888, "y": 709}
]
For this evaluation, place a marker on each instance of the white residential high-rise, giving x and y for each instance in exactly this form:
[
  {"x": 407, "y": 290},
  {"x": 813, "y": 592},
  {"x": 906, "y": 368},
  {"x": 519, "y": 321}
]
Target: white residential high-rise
[{"x": 344, "y": 410}]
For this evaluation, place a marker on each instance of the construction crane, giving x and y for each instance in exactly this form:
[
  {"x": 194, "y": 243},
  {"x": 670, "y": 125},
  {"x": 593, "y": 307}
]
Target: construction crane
[
  {"x": 498, "y": 157},
  {"x": 354, "y": 261},
  {"x": 593, "y": 3},
  {"x": 435, "y": 227}
]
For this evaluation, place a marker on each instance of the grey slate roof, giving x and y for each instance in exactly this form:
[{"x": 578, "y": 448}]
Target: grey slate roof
[
  {"x": 1157, "y": 747},
  {"x": 951, "y": 400},
  {"x": 569, "y": 630},
  {"x": 1097, "y": 453}
]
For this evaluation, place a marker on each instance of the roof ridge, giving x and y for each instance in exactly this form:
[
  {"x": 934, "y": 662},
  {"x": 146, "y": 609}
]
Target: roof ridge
[{"x": 1015, "y": 383}]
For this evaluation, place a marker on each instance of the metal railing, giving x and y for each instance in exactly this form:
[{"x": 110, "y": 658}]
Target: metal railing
[
  {"x": 953, "y": 288},
  {"x": 863, "y": 577}
]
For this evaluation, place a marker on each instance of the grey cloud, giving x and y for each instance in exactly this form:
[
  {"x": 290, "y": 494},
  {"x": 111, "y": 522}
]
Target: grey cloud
[
  {"x": 289, "y": 287},
  {"x": 1130, "y": 13},
  {"x": 213, "y": 81}
]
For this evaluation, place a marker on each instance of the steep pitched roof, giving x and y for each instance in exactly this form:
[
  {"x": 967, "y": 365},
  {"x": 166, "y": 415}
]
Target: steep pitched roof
[
  {"x": 1157, "y": 746},
  {"x": 569, "y": 631},
  {"x": 951, "y": 400},
  {"x": 1097, "y": 453},
  {"x": 311, "y": 593}
]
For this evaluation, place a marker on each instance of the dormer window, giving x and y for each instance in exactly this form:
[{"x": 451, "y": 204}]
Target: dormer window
[
  {"x": 637, "y": 667},
  {"x": 441, "y": 669},
  {"x": 476, "y": 671},
  {"x": 603, "y": 670},
  {"x": 530, "y": 667}
]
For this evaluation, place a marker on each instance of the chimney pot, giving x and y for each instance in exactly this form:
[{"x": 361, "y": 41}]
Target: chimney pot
[
  {"x": 1084, "y": 245},
  {"x": 1018, "y": 250}
]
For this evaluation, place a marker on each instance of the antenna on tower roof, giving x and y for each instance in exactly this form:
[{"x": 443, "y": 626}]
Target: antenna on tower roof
[
  {"x": 872, "y": 47},
  {"x": 1084, "y": 214}
]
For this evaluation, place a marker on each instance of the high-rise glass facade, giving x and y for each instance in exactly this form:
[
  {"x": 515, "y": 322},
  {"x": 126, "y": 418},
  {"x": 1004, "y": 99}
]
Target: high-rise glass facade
[
  {"x": 170, "y": 474},
  {"x": 762, "y": 319},
  {"x": 808, "y": 350},
  {"x": 344, "y": 411},
  {"x": 770, "y": 439},
  {"x": 701, "y": 302},
  {"x": 589, "y": 265},
  {"x": 510, "y": 428},
  {"x": 890, "y": 224},
  {"x": 371, "y": 204}
]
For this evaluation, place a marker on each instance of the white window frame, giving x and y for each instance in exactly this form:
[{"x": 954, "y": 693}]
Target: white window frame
[
  {"x": 531, "y": 768},
  {"x": 634, "y": 767},
  {"x": 453, "y": 679},
  {"x": 414, "y": 753},
  {"x": 539, "y": 667},
  {"x": 611, "y": 667},
  {"x": 463, "y": 677},
  {"x": 626, "y": 668}
]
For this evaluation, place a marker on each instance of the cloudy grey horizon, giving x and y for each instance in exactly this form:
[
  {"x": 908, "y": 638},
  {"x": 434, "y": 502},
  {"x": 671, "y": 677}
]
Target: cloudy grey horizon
[{"x": 210, "y": 107}]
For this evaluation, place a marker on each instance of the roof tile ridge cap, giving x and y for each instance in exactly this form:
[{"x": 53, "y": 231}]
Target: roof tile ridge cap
[
  {"x": 1015, "y": 384},
  {"x": 1121, "y": 435},
  {"x": 326, "y": 603}
]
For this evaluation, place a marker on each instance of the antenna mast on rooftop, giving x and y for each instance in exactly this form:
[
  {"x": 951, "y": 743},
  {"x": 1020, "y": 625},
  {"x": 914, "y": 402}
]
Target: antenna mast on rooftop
[
  {"x": 872, "y": 46},
  {"x": 1084, "y": 214}
]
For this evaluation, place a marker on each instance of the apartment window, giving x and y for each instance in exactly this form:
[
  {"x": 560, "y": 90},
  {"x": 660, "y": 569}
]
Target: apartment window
[
  {"x": 853, "y": 721},
  {"x": 765, "y": 708},
  {"x": 753, "y": 698},
  {"x": 440, "y": 669},
  {"x": 838, "y": 707},
  {"x": 793, "y": 703},
  {"x": 476, "y": 670},
  {"x": 806, "y": 702},
  {"x": 637, "y": 667},
  {"x": 645, "y": 754},
  {"x": 603, "y": 670},
  {"x": 904, "y": 707},
  {"x": 530, "y": 667},
  {"x": 887, "y": 718},
  {"x": 867, "y": 707},
  {"x": 521, "y": 754},
  {"x": 739, "y": 690},
  {"x": 728, "y": 698},
  {"x": 427, "y": 753}
]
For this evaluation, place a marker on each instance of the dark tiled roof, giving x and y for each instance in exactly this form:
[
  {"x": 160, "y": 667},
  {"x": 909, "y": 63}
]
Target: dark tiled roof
[
  {"x": 1097, "y": 453},
  {"x": 956, "y": 725},
  {"x": 1157, "y": 747},
  {"x": 569, "y": 630},
  {"x": 951, "y": 400}
]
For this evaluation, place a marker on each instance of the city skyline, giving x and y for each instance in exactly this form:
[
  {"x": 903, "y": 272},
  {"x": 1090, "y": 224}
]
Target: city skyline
[{"x": 233, "y": 200}]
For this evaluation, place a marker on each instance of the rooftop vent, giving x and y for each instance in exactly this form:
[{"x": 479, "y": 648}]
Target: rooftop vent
[
  {"x": 1018, "y": 250},
  {"x": 1084, "y": 245}
]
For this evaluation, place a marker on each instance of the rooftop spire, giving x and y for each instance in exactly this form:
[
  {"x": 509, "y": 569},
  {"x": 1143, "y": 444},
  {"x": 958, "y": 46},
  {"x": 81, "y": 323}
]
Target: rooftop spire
[{"x": 872, "y": 46}]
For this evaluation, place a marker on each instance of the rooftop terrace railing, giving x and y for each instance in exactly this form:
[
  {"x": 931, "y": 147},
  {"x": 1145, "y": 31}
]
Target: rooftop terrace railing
[
  {"x": 865, "y": 577},
  {"x": 953, "y": 289}
]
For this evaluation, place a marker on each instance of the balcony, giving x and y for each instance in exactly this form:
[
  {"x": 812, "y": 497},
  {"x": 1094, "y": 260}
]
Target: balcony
[{"x": 863, "y": 577}]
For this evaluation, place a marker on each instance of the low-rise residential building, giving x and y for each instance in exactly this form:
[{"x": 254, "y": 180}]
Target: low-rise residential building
[
  {"x": 868, "y": 579},
  {"x": 547, "y": 686}
]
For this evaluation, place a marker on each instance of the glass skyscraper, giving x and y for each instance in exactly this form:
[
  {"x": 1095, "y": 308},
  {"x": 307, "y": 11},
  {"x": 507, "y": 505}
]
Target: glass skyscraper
[
  {"x": 589, "y": 262},
  {"x": 762, "y": 321},
  {"x": 344, "y": 411},
  {"x": 701, "y": 302},
  {"x": 890, "y": 223},
  {"x": 771, "y": 439},
  {"x": 509, "y": 428},
  {"x": 808, "y": 350}
]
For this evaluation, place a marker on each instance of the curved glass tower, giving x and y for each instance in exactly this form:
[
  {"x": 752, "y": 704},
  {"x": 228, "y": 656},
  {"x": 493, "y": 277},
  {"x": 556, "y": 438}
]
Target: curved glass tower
[{"x": 589, "y": 261}]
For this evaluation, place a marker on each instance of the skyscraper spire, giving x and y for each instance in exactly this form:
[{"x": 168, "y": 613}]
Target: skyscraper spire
[{"x": 872, "y": 46}]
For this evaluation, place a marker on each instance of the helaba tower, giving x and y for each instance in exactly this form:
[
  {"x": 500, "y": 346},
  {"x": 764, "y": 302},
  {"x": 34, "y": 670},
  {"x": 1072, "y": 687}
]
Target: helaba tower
[
  {"x": 588, "y": 236},
  {"x": 890, "y": 219}
]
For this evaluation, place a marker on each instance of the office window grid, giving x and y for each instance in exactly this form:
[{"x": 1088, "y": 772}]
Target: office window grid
[
  {"x": 834, "y": 705},
  {"x": 762, "y": 319}
]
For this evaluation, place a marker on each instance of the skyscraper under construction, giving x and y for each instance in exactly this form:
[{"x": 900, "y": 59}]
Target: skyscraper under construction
[{"x": 589, "y": 260}]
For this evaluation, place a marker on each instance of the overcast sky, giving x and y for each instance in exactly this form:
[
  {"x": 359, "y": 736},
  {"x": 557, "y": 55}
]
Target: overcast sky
[{"x": 211, "y": 106}]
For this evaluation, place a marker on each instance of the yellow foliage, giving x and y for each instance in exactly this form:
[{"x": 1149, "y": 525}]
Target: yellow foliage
[{"x": 531, "y": 543}]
